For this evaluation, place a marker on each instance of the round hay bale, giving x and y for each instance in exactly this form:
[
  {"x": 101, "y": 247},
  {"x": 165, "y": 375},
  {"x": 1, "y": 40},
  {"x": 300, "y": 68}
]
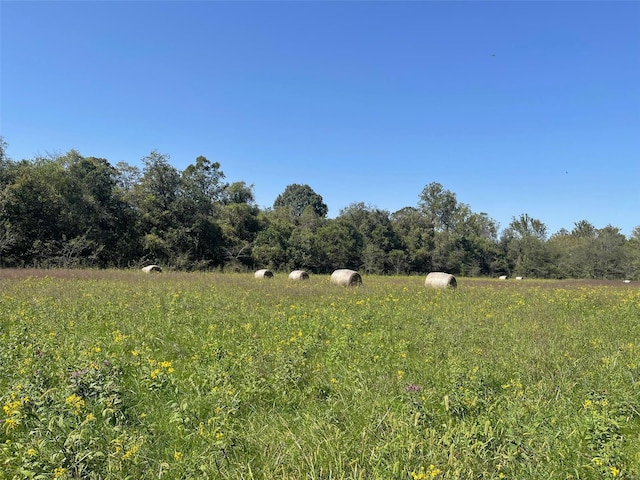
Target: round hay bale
[
  {"x": 518, "y": 278},
  {"x": 503, "y": 277},
  {"x": 440, "y": 280},
  {"x": 346, "y": 278},
  {"x": 264, "y": 273},
  {"x": 298, "y": 275},
  {"x": 151, "y": 268}
]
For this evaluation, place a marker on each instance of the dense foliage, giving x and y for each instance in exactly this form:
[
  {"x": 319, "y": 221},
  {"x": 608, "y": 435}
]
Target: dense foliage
[
  {"x": 112, "y": 374},
  {"x": 70, "y": 211}
]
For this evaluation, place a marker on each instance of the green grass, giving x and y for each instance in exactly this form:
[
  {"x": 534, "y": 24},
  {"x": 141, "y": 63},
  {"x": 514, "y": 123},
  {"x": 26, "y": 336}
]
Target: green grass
[{"x": 125, "y": 375}]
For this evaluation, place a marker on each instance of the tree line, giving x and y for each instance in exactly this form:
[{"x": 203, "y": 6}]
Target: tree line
[{"x": 75, "y": 211}]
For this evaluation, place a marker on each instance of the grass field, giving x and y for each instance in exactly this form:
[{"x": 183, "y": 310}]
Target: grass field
[{"x": 113, "y": 375}]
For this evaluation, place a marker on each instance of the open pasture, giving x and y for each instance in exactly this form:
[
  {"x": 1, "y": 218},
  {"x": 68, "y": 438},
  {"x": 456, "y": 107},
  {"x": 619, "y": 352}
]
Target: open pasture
[{"x": 119, "y": 374}]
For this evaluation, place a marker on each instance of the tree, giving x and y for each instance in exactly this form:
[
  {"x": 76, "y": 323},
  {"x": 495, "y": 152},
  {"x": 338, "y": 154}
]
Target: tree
[
  {"x": 3, "y": 151},
  {"x": 296, "y": 198},
  {"x": 127, "y": 177},
  {"x": 272, "y": 243},
  {"x": 439, "y": 205},
  {"x": 30, "y": 208},
  {"x": 99, "y": 226},
  {"x": 633, "y": 254},
  {"x": 475, "y": 243},
  {"x": 238, "y": 192},
  {"x": 198, "y": 205},
  {"x": 201, "y": 185},
  {"x": 525, "y": 247},
  {"x": 610, "y": 255},
  {"x": 339, "y": 244},
  {"x": 240, "y": 223},
  {"x": 378, "y": 236},
  {"x": 416, "y": 233},
  {"x": 575, "y": 251},
  {"x": 156, "y": 198}
]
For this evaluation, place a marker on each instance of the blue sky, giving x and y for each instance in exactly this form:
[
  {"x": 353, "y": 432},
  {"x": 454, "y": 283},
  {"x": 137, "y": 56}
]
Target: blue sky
[{"x": 517, "y": 107}]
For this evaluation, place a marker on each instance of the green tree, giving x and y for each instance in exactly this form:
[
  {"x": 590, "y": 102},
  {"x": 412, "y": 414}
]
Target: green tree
[
  {"x": 439, "y": 205},
  {"x": 202, "y": 185},
  {"x": 127, "y": 177},
  {"x": 475, "y": 244},
  {"x": 524, "y": 243},
  {"x": 199, "y": 203},
  {"x": 574, "y": 251},
  {"x": 416, "y": 233},
  {"x": 272, "y": 243},
  {"x": 31, "y": 206},
  {"x": 240, "y": 223},
  {"x": 339, "y": 245},
  {"x": 296, "y": 198},
  {"x": 378, "y": 236},
  {"x": 633, "y": 254},
  {"x": 98, "y": 224},
  {"x": 156, "y": 198},
  {"x": 610, "y": 254}
]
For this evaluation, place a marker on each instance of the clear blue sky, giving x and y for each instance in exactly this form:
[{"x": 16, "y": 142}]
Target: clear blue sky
[{"x": 517, "y": 107}]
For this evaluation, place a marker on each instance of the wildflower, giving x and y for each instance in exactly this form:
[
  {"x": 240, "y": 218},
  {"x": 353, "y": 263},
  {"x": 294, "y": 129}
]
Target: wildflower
[
  {"x": 400, "y": 373},
  {"x": 89, "y": 418},
  {"x": 131, "y": 452},
  {"x": 11, "y": 408},
  {"x": 432, "y": 472},
  {"x": 177, "y": 456},
  {"x": 10, "y": 423},
  {"x": 59, "y": 472},
  {"x": 75, "y": 402},
  {"x": 614, "y": 471}
]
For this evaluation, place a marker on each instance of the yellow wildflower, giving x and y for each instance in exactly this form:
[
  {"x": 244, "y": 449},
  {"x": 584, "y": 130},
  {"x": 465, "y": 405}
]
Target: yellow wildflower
[
  {"x": 75, "y": 402},
  {"x": 131, "y": 452}
]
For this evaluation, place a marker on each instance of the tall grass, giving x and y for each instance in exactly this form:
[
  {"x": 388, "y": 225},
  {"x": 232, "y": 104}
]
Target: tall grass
[{"x": 111, "y": 375}]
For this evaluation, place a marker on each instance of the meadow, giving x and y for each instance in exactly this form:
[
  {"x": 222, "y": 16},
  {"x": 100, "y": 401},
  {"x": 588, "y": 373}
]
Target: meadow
[{"x": 118, "y": 374}]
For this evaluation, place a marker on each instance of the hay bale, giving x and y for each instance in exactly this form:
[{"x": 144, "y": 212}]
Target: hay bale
[
  {"x": 346, "y": 278},
  {"x": 626, "y": 281},
  {"x": 440, "y": 280},
  {"x": 503, "y": 277},
  {"x": 298, "y": 275},
  {"x": 151, "y": 268},
  {"x": 264, "y": 273},
  {"x": 518, "y": 278}
]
